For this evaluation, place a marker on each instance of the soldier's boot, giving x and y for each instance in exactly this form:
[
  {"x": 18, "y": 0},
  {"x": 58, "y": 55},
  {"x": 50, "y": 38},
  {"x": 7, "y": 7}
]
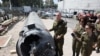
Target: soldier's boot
[
  {"x": 77, "y": 54},
  {"x": 98, "y": 46},
  {"x": 60, "y": 54},
  {"x": 97, "y": 51},
  {"x": 73, "y": 53},
  {"x": 56, "y": 53},
  {"x": 74, "y": 49}
]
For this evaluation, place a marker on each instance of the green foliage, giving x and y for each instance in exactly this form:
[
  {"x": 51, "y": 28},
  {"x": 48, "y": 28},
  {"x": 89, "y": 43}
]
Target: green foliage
[
  {"x": 5, "y": 0},
  {"x": 6, "y": 4},
  {"x": 36, "y": 3},
  {"x": 49, "y": 3},
  {"x": 55, "y": 6},
  {"x": 13, "y": 2}
]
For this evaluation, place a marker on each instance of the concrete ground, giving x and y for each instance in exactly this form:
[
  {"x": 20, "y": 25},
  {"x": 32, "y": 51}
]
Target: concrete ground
[{"x": 48, "y": 23}]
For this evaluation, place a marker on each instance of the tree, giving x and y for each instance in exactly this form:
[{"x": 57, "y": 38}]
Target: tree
[
  {"x": 49, "y": 3},
  {"x": 0, "y": 4},
  {"x": 13, "y": 2},
  {"x": 25, "y": 2},
  {"x": 31, "y": 3},
  {"x": 6, "y": 4},
  {"x": 55, "y": 6},
  {"x": 5, "y": 0}
]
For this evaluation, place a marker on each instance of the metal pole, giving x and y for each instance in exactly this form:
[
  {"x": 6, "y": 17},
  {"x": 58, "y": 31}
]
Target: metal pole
[
  {"x": 63, "y": 4},
  {"x": 64, "y": 9},
  {"x": 40, "y": 4},
  {"x": 10, "y": 5},
  {"x": 51, "y": 9}
]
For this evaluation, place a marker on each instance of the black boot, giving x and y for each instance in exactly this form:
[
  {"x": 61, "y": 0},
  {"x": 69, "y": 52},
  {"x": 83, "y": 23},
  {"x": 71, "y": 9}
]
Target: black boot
[
  {"x": 97, "y": 51},
  {"x": 73, "y": 54},
  {"x": 77, "y": 54}
]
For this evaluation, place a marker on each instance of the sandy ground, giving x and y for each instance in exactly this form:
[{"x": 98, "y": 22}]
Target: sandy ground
[{"x": 48, "y": 23}]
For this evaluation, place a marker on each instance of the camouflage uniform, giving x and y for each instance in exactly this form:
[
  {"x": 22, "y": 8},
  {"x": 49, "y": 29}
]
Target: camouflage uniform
[
  {"x": 59, "y": 29},
  {"x": 97, "y": 26},
  {"x": 87, "y": 43},
  {"x": 76, "y": 45}
]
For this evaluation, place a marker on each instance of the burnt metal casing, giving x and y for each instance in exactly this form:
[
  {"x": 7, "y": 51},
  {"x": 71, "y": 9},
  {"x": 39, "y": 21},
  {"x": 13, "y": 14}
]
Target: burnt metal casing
[{"x": 34, "y": 39}]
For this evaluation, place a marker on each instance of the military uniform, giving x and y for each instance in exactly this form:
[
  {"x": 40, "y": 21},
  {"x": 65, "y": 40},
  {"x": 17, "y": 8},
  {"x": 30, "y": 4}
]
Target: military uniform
[
  {"x": 97, "y": 26},
  {"x": 87, "y": 43},
  {"x": 59, "y": 29},
  {"x": 76, "y": 45}
]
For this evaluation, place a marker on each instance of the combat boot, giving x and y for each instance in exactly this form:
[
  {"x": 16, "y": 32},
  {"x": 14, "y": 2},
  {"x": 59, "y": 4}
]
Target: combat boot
[{"x": 97, "y": 51}]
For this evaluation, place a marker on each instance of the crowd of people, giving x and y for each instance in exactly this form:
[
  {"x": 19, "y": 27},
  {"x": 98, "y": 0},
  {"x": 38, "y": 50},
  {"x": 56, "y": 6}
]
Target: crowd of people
[{"x": 86, "y": 35}]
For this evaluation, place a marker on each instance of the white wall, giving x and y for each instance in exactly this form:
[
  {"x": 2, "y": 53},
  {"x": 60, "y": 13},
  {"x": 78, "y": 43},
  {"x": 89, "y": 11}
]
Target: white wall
[{"x": 79, "y": 4}]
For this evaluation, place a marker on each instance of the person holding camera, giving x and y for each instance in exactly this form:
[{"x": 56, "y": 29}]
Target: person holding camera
[{"x": 76, "y": 45}]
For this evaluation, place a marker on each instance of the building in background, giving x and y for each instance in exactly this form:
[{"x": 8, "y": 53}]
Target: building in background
[{"x": 72, "y": 5}]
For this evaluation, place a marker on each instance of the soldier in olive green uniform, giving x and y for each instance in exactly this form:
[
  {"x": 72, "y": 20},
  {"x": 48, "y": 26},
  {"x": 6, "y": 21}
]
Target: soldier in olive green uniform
[
  {"x": 88, "y": 38},
  {"x": 76, "y": 45},
  {"x": 97, "y": 26},
  {"x": 59, "y": 27},
  {"x": 98, "y": 44}
]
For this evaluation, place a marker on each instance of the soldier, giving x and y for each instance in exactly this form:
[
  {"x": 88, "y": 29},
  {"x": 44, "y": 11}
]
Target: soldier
[
  {"x": 59, "y": 28},
  {"x": 88, "y": 38},
  {"x": 97, "y": 26},
  {"x": 76, "y": 45},
  {"x": 83, "y": 17}
]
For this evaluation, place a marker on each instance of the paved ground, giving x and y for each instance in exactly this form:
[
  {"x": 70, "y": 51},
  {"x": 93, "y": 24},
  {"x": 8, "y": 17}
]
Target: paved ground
[
  {"x": 14, "y": 31},
  {"x": 48, "y": 23}
]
